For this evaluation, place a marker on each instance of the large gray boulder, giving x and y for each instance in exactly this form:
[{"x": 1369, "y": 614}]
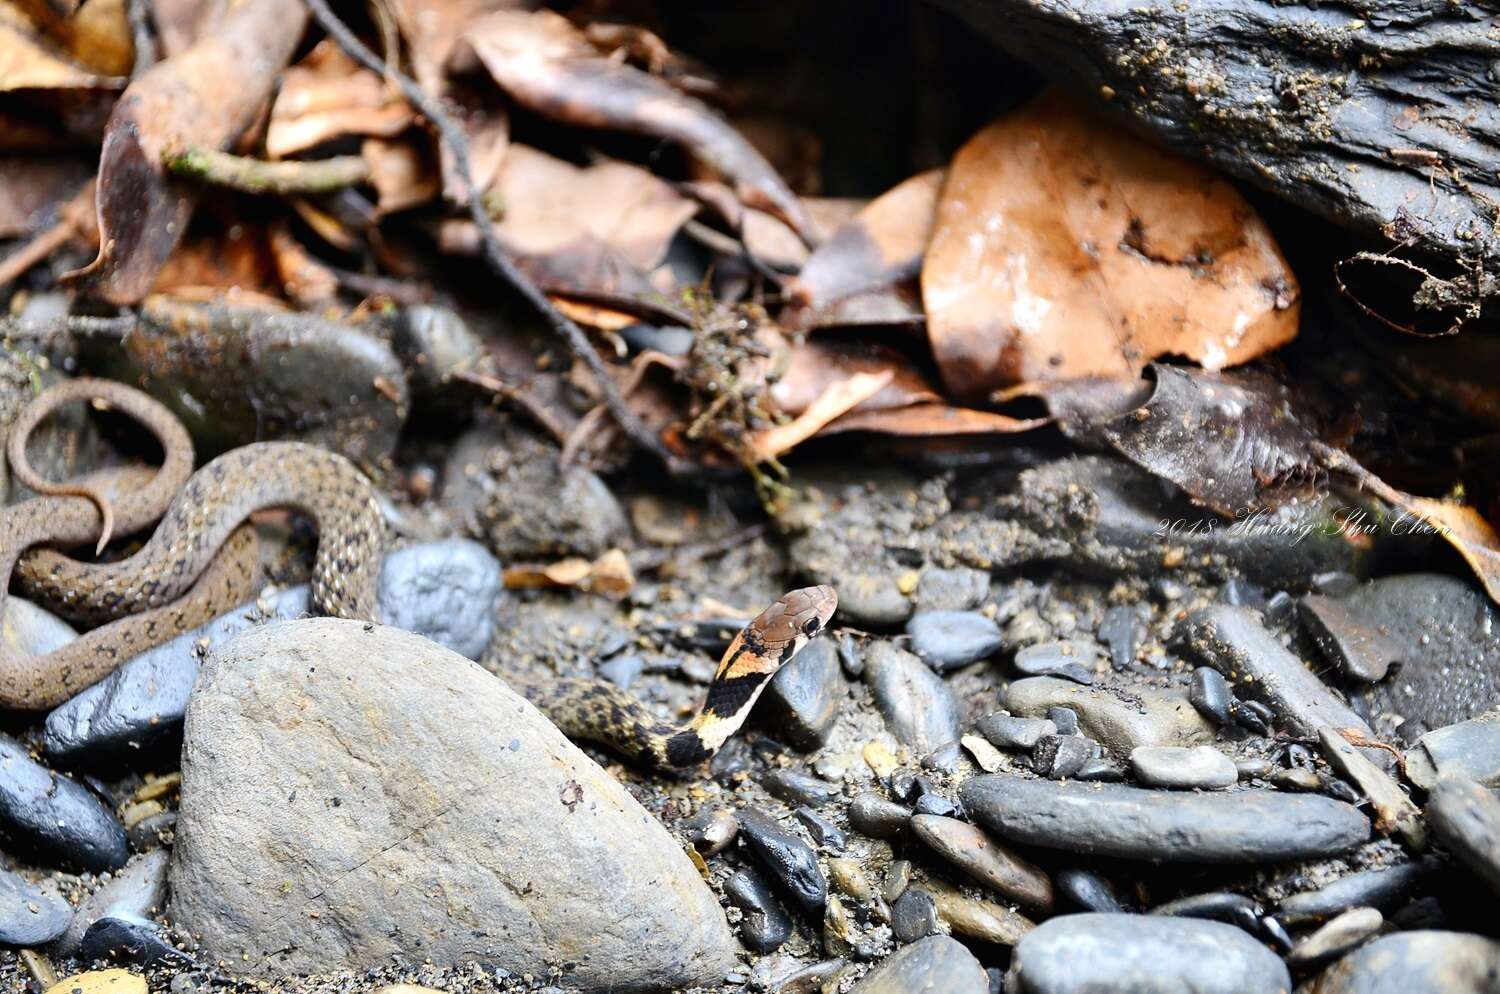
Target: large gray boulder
[{"x": 353, "y": 793}]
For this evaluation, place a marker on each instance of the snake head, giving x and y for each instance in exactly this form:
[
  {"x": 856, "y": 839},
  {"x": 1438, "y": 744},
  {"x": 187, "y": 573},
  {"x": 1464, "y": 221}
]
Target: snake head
[{"x": 795, "y": 619}]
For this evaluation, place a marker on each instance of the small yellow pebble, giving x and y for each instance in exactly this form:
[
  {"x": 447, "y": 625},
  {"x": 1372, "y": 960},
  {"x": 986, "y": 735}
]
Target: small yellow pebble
[
  {"x": 907, "y": 582},
  {"x": 101, "y": 982},
  {"x": 880, "y": 758}
]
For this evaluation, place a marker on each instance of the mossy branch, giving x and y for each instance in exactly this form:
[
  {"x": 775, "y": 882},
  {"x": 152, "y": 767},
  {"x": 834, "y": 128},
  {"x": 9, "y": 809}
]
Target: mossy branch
[{"x": 248, "y": 175}]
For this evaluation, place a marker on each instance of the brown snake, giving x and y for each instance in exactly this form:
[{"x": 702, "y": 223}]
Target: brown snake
[{"x": 198, "y": 563}]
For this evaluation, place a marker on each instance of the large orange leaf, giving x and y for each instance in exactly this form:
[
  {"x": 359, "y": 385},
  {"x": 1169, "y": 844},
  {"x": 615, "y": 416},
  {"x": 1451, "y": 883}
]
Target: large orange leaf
[{"x": 1066, "y": 248}]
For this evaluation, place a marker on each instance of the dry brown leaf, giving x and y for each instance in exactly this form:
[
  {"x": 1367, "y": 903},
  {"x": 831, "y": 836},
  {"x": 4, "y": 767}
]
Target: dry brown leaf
[
  {"x": 839, "y": 398},
  {"x": 883, "y": 244},
  {"x": 179, "y": 23},
  {"x": 204, "y": 97},
  {"x": 33, "y": 189},
  {"x": 1466, "y": 530},
  {"x": 31, "y": 61},
  {"x": 546, "y": 65},
  {"x": 813, "y": 366},
  {"x": 932, "y": 420},
  {"x": 95, "y": 35},
  {"x": 328, "y": 95},
  {"x": 609, "y": 575},
  {"x": 402, "y": 175},
  {"x": 1066, "y": 248}
]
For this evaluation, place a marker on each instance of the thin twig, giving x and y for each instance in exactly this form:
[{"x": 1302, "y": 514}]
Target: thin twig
[
  {"x": 138, "y": 13},
  {"x": 494, "y": 254},
  {"x": 500, "y": 389},
  {"x": 69, "y": 324},
  {"x": 251, "y": 175}
]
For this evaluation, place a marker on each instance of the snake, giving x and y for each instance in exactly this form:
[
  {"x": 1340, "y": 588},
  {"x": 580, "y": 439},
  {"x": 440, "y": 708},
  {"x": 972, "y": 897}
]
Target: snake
[{"x": 202, "y": 561}]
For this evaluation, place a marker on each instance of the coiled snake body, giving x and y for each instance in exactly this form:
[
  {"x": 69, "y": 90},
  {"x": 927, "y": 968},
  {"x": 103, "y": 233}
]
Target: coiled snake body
[{"x": 202, "y": 561}]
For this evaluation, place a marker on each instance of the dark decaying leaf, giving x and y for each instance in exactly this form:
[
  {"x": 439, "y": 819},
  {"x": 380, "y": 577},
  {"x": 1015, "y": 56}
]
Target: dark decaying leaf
[
  {"x": 1228, "y": 440},
  {"x": 548, "y": 66},
  {"x": 33, "y": 190},
  {"x": 205, "y": 96},
  {"x": 880, "y": 246}
]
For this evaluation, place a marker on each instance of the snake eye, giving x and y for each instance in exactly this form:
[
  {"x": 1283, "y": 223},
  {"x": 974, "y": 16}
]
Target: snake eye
[{"x": 810, "y": 627}]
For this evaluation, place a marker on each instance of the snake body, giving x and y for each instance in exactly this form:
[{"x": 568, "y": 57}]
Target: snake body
[{"x": 201, "y": 561}]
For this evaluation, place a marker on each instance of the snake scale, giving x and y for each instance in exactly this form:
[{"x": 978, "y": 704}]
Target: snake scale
[{"x": 202, "y": 560}]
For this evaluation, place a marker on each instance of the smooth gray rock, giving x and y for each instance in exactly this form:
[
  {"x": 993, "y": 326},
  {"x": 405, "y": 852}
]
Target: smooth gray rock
[
  {"x": 422, "y": 810},
  {"x": 984, "y": 859},
  {"x": 1469, "y": 749},
  {"x": 1210, "y": 694},
  {"x": 919, "y": 708},
  {"x": 1233, "y": 641},
  {"x": 1069, "y": 660},
  {"x": 788, "y": 860},
  {"x": 1179, "y": 768},
  {"x": 31, "y": 630},
  {"x": 1060, "y": 756},
  {"x": 1141, "y": 954},
  {"x": 1150, "y": 717},
  {"x": 1007, "y": 732},
  {"x": 1466, "y": 817},
  {"x": 1427, "y": 961},
  {"x": 1382, "y": 888},
  {"x": 1134, "y": 823},
  {"x": 875, "y": 816},
  {"x": 764, "y": 925},
  {"x": 934, "y": 965},
  {"x": 1336, "y": 937},
  {"x": 53, "y": 820},
  {"x": 960, "y": 589},
  {"x": 445, "y": 590},
  {"x": 30, "y": 914},
  {"x": 802, "y": 701},
  {"x": 947, "y": 640},
  {"x": 1360, "y": 650},
  {"x": 136, "y": 891}
]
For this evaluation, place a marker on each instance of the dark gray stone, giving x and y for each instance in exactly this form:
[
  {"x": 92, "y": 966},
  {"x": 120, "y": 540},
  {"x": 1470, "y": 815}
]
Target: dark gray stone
[
  {"x": 1218, "y": 906},
  {"x": 764, "y": 925},
  {"x": 799, "y": 788},
  {"x": 1426, "y": 961},
  {"x": 936, "y": 963},
  {"x": 914, "y": 915},
  {"x": 824, "y": 832},
  {"x": 30, "y": 914},
  {"x": 1180, "y": 768},
  {"x": 919, "y": 708},
  {"x": 137, "y": 891},
  {"x": 1382, "y": 888},
  {"x": 1143, "y": 954},
  {"x": 1121, "y": 722},
  {"x": 129, "y": 939},
  {"x": 788, "y": 860},
  {"x": 53, "y": 820},
  {"x": 1122, "y": 630},
  {"x": 1087, "y": 890},
  {"x": 1233, "y": 641},
  {"x": 1337, "y": 937},
  {"x": 1359, "y": 650},
  {"x": 1066, "y": 720},
  {"x": 1060, "y": 756},
  {"x": 1465, "y": 817},
  {"x": 445, "y": 591},
  {"x": 1469, "y": 749},
  {"x": 960, "y": 589},
  {"x": 873, "y": 815},
  {"x": 946, "y": 640},
  {"x": 802, "y": 701},
  {"x": 1210, "y": 694},
  {"x": 1069, "y": 660},
  {"x": 1133, "y": 823},
  {"x": 1022, "y": 734}
]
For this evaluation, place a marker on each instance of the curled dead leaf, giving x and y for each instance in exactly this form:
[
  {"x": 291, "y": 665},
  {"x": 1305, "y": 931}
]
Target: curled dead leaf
[
  {"x": 205, "y": 96},
  {"x": 548, "y": 66},
  {"x": 30, "y": 60},
  {"x": 609, "y": 575},
  {"x": 328, "y": 95},
  {"x": 1066, "y": 248}
]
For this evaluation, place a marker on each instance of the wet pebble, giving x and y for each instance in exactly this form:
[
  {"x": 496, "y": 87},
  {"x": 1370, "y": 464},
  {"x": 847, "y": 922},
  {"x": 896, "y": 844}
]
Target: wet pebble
[
  {"x": 1296, "y": 779},
  {"x": 1210, "y": 694},
  {"x": 446, "y": 589},
  {"x": 1181, "y": 768},
  {"x": 1149, "y": 717},
  {"x": 137, "y": 891},
  {"x": 799, "y": 788},
  {"x": 712, "y": 831},
  {"x": 788, "y": 860},
  {"x": 848, "y": 878},
  {"x": 875, "y": 816},
  {"x": 973, "y": 918},
  {"x": 873, "y": 599},
  {"x": 1336, "y": 938},
  {"x": 30, "y": 914},
  {"x": 1134, "y": 954},
  {"x": 1068, "y": 660},
  {"x": 1020, "y": 734},
  {"x": 54, "y": 820},
  {"x": 1466, "y": 818},
  {"x": 1099, "y": 770},
  {"x": 824, "y": 832},
  {"x": 914, "y": 915},
  {"x": 1135, "y": 823},
  {"x": 1358, "y": 649},
  {"x": 935, "y": 804},
  {"x": 1122, "y": 630},
  {"x": 960, "y": 589},
  {"x": 1428, "y": 961},
  {"x": 802, "y": 701},
  {"x": 918, "y": 706},
  {"x": 947, "y": 640},
  {"x": 985, "y": 860},
  {"x": 851, "y": 657},
  {"x": 936, "y": 963},
  {"x": 1469, "y": 749},
  {"x": 1379, "y": 888},
  {"x": 764, "y": 925},
  {"x": 128, "y": 938},
  {"x": 945, "y": 758},
  {"x": 1066, "y": 720},
  {"x": 1058, "y": 757},
  {"x": 1087, "y": 890},
  {"x": 1219, "y": 906}
]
